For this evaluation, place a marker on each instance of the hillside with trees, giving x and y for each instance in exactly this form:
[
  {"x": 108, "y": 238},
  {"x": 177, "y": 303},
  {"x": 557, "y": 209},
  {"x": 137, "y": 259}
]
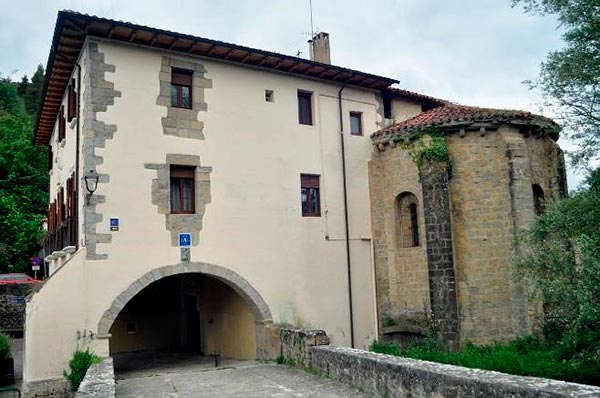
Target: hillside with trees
[{"x": 23, "y": 173}]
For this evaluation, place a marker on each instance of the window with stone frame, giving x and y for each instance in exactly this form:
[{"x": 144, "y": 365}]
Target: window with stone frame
[
  {"x": 181, "y": 88},
  {"x": 182, "y": 190},
  {"x": 407, "y": 220},
  {"x": 310, "y": 195}
]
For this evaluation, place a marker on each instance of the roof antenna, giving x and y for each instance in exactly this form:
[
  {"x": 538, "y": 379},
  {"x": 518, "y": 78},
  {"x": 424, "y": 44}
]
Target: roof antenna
[{"x": 312, "y": 30}]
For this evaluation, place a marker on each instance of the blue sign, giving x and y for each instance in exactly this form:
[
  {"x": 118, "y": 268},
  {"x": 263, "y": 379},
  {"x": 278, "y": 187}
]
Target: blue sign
[
  {"x": 114, "y": 224},
  {"x": 185, "y": 240}
]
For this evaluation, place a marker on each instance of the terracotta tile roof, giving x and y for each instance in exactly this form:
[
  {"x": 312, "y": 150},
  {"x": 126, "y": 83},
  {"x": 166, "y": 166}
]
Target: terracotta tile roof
[
  {"x": 411, "y": 95},
  {"x": 72, "y": 28},
  {"x": 461, "y": 115}
]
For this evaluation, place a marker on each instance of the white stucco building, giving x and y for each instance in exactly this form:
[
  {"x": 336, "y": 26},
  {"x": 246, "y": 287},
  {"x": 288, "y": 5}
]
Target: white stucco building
[{"x": 261, "y": 157}]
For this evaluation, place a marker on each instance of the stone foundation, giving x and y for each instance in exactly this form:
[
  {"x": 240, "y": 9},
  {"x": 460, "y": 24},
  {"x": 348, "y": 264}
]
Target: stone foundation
[
  {"x": 54, "y": 388},
  {"x": 12, "y": 305}
]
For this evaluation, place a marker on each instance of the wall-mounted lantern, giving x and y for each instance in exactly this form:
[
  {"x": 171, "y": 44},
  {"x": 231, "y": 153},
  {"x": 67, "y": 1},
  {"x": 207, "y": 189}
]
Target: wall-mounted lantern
[{"x": 91, "y": 184}]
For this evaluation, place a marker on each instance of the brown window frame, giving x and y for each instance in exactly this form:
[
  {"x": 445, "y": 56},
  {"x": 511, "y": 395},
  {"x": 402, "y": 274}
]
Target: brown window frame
[
  {"x": 62, "y": 124},
  {"x": 71, "y": 101},
  {"x": 305, "y": 118},
  {"x": 181, "y": 174},
  {"x": 181, "y": 78},
  {"x": 360, "y": 129},
  {"x": 310, "y": 182}
]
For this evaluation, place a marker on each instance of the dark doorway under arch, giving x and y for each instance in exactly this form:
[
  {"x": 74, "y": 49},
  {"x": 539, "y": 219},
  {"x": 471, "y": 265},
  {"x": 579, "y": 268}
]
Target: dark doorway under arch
[{"x": 189, "y": 312}]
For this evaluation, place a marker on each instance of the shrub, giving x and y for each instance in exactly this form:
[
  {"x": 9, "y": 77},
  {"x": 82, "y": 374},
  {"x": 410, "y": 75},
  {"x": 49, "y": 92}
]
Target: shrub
[
  {"x": 4, "y": 346},
  {"x": 79, "y": 365}
]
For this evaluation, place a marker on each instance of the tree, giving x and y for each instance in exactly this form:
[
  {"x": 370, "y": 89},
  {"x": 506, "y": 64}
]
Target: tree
[
  {"x": 23, "y": 183},
  {"x": 570, "y": 78},
  {"x": 561, "y": 260},
  {"x": 34, "y": 92}
]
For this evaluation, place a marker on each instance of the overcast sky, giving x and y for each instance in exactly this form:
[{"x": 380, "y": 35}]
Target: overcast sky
[{"x": 475, "y": 52}]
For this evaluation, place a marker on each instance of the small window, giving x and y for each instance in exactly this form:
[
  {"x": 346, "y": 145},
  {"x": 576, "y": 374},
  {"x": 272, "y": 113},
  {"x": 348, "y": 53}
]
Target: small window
[
  {"x": 62, "y": 125},
  {"x": 71, "y": 101},
  {"x": 305, "y": 108},
  {"x": 309, "y": 192},
  {"x": 181, "y": 88},
  {"x": 131, "y": 328},
  {"x": 269, "y": 96},
  {"x": 182, "y": 190},
  {"x": 539, "y": 203},
  {"x": 356, "y": 123},
  {"x": 387, "y": 107},
  {"x": 407, "y": 214}
]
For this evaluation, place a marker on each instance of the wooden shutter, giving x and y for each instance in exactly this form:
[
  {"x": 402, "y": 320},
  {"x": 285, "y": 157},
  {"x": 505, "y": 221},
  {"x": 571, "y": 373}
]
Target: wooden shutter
[
  {"x": 62, "y": 124},
  {"x": 50, "y": 158},
  {"x": 71, "y": 101},
  {"x": 181, "y": 77}
]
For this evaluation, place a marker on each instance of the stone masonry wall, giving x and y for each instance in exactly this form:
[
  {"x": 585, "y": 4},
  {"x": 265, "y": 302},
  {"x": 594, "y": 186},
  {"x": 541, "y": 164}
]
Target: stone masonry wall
[
  {"x": 466, "y": 277},
  {"x": 401, "y": 272},
  {"x": 395, "y": 377},
  {"x": 483, "y": 232},
  {"x": 296, "y": 345},
  {"x": 12, "y": 305},
  {"x": 177, "y": 223},
  {"x": 438, "y": 228},
  {"x": 98, "y": 96}
]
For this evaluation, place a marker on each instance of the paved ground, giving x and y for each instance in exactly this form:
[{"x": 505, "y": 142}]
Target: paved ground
[{"x": 184, "y": 375}]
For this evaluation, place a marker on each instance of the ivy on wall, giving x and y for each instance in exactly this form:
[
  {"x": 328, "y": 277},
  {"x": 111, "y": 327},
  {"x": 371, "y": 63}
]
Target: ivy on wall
[{"x": 427, "y": 145}]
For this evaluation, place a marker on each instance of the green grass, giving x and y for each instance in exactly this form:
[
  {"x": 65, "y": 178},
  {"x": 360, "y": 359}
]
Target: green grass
[{"x": 526, "y": 356}]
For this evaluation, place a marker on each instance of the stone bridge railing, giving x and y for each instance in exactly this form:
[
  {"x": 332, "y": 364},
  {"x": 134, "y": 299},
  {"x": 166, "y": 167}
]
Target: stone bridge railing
[
  {"x": 99, "y": 381},
  {"x": 394, "y": 377}
]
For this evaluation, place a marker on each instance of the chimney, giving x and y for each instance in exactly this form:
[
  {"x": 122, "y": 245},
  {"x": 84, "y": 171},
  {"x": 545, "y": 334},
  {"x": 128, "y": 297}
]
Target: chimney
[{"x": 319, "y": 48}]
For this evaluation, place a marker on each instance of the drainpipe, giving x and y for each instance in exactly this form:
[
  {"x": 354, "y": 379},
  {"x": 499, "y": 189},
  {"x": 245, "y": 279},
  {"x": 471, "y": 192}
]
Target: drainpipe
[{"x": 348, "y": 263}]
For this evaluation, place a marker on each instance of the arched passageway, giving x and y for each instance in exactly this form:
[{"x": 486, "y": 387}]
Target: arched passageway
[{"x": 195, "y": 307}]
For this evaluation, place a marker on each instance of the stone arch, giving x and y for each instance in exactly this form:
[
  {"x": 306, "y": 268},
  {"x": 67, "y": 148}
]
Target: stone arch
[{"x": 260, "y": 309}]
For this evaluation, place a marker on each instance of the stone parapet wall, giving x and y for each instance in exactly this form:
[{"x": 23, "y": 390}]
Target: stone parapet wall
[
  {"x": 12, "y": 305},
  {"x": 296, "y": 345},
  {"x": 99, "y": 381},
  {"x": 394, "y": 377}
]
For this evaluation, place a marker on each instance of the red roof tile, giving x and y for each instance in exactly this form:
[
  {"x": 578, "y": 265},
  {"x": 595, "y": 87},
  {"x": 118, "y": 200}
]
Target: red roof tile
[
  {"x": 455, "y": 114},
  {"x": 411, "y": 95}
]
